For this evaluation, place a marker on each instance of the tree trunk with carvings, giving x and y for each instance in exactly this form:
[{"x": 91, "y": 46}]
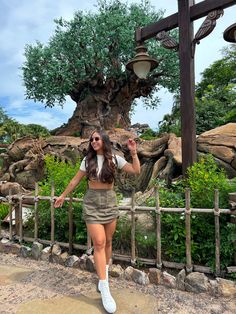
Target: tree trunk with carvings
[{"x": 104, "y": 105}]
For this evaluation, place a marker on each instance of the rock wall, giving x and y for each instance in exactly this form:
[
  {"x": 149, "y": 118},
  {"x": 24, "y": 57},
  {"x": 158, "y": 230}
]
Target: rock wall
[{"x": 23, "y": 162}]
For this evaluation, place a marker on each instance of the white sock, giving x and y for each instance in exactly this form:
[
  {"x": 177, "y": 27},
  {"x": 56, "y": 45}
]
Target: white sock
[
  {"x": 107, "y": 268},
  {"x": 99, "y": 284}
]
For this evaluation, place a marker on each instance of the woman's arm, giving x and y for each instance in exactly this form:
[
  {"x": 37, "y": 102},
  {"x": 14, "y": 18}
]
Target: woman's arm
[
  {"x": 135, "y": 166},
  {"x": 70, "y": 187}
]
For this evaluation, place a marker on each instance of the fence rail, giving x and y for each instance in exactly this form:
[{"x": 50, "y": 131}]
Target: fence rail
[{"x": 133, "y": 210}]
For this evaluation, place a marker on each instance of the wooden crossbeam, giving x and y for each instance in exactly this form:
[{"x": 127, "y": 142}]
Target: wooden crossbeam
[{"x": 197, "y": 11}]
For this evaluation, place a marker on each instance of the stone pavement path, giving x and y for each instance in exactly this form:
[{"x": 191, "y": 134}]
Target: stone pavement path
[{"x": 37, "y": 287}]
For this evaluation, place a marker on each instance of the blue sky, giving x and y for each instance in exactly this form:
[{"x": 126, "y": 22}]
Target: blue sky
[{"x": 25, "y": 21}]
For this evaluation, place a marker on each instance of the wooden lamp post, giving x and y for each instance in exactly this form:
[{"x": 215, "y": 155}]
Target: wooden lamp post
[{"x": 187, "y": 13}]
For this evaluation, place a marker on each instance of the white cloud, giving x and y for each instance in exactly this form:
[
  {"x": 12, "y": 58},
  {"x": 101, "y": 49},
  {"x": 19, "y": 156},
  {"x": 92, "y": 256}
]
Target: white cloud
[
  {"x": 30, "y": 112},
  {"x": 153, "y": 116},
  {"x": 47, "y": 119}
]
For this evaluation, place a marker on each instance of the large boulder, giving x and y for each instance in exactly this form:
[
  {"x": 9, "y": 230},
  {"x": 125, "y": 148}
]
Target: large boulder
[{"x": 221, "y": 143}]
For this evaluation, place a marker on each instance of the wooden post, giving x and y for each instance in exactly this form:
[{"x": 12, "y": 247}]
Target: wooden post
[
  {"x": 52, "y": 214},
  {"x": 36, "y": 214},
  {"x": 10, "y": 214},
  {"x": 187, "y": 107},
  {"x": 89, "y": 244},
  {"x": 20, "y": 219},
  {"x": 189, "y": 267},
  {"x": 70, "y": 217},
  {"x": 217, "y": 231},
  {"x": 158, "y": 226},
  {"x": 133, "y": 259},
  {"x": 17, "y": 217}
]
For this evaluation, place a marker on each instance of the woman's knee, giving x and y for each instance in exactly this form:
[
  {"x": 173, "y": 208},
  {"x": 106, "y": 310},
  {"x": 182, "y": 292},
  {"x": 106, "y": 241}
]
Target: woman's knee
[{"x": 99, "y": 244}]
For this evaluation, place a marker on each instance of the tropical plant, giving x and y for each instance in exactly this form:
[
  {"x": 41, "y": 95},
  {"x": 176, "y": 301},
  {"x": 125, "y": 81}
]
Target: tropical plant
[
  {"x": 10, "y": 129},
  {"x": 36, "y": 130},
  {"x": 171, "y": 122},
  {"x": 215, "y": 97},
  {"x": 203, "y": 178},
  {"x": 60, "y": 173},
  {"x": 4, "y": 210},
  {"x": 148, "y": 134}
]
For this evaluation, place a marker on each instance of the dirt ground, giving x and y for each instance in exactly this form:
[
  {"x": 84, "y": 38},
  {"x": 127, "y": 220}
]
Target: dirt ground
[{"x": 25, "y": 282}]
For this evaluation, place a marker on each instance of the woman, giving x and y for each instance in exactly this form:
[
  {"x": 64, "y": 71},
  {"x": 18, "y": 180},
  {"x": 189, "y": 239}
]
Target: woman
[{"x": 100, "y": 209}]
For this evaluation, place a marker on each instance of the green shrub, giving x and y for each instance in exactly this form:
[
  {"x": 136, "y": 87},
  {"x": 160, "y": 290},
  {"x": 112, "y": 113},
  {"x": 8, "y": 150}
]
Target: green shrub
[
  {"x": 172, "y": 225},
  {"x": 122, "y": 236},
  {"x": 145, "y": 240},
  {"x": 61, "y": 173},
  {"x": 4, "y": 210},
  {"x": 203, "y": 178},
  {"x": 146, "y": 243},
  {"x": 148, "y": 134}
]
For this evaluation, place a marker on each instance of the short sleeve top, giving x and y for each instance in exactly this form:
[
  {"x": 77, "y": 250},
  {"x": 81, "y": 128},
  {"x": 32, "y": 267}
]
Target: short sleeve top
[{"x": 119, "y": 161}]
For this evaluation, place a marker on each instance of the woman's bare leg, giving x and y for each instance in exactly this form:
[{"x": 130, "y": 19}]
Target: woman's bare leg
[
  {"x": 98, "y": 236},
  {"x": 109, "y": 231}
]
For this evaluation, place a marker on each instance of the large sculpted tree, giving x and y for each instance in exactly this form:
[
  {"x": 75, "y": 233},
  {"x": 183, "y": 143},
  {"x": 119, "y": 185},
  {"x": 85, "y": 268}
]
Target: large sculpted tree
[{"x": 85, "y": 59}]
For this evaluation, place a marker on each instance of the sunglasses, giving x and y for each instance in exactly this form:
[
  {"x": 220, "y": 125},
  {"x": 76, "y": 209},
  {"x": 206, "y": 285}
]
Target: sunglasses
[{"x": 94, "y": 138}]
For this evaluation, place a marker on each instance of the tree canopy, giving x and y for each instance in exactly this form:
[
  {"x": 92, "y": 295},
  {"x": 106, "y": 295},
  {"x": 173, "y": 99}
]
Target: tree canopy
[
  {"x": 216, "y": 93},
  {"x": 10, "y": 129},
  {"x": 215, "y": 97},
  {"x": 91, "y": 50}
]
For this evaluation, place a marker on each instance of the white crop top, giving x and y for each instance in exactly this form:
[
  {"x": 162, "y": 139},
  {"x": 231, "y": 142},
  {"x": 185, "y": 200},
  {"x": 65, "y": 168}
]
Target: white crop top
[{"x": 118, "y": 161}]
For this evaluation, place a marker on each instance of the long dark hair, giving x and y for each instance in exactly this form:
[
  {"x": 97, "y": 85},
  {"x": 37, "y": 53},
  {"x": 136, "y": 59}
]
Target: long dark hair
[{"x": 107, "y": 173}]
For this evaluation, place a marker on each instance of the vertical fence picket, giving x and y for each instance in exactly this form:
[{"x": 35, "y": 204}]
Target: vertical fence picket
[
  {"x": 89, "y": 243},
  {"x": 10, "y": 214},
  {"x": 133, "y": 259},
  {"x": 52, "y": 213},
  {"x": 217, "y": 232},
  {"x": 158, "y": 230},
  {"x": 20, "y": 218},
  {"x": 36, "y": 214},
  {"x": 70, "y": 217},
  {"x": 189, "y": 267}
]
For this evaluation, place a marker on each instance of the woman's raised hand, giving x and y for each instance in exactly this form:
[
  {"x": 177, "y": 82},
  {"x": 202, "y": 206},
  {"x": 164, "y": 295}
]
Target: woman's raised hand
[
  {"x": 131, "y": 144},
  {"x": 59, "y": 201}
]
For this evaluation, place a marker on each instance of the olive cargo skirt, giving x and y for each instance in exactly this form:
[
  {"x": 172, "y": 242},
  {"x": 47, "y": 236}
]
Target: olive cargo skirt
[{"x": 100, "y": 206}]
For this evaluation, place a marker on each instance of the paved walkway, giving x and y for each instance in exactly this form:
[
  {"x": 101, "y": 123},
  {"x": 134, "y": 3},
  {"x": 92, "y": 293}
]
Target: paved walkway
[
  {"x": 37, "y": 287},
  {"x": 87, "y": 303}
]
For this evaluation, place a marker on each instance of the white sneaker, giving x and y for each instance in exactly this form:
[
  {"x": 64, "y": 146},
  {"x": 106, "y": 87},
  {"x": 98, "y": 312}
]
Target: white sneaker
[
  {"x": 108, "y": 302},
  {"x": 99, "y": 288}
]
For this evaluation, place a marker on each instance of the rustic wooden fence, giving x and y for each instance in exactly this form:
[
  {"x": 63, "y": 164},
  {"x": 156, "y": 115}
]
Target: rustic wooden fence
[{"x": 134, "y": 210}]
